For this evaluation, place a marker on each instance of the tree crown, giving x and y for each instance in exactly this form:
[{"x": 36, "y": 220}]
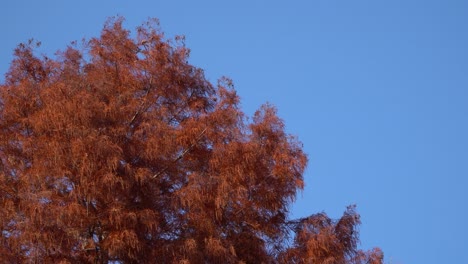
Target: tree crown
[{"x": 122, "y": 151}]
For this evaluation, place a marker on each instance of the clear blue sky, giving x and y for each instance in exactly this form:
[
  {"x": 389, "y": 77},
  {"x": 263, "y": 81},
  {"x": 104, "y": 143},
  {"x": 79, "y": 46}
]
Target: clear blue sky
[{"x": 377, "y": 90}]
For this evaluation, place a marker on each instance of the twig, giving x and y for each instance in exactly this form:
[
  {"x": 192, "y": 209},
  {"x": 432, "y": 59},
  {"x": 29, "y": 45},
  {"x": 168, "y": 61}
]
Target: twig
[{"x": 187, "y": 150}]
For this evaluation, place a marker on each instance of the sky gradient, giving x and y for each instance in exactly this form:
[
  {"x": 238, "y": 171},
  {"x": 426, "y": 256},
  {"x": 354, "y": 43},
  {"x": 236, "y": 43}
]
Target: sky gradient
[{"x": 376, "y": 90}]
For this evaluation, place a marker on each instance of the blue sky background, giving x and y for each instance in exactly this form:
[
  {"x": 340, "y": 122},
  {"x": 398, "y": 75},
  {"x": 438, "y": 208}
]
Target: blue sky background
[{"x": 375, "y": 89}]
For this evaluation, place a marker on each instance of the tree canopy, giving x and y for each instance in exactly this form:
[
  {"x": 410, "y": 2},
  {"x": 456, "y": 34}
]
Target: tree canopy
[{"x": 120, "y": 151}]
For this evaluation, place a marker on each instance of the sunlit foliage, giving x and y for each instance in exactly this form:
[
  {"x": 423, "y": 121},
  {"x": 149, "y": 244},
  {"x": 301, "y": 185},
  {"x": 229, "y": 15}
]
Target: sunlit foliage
[{"x": 120, "y": 151}]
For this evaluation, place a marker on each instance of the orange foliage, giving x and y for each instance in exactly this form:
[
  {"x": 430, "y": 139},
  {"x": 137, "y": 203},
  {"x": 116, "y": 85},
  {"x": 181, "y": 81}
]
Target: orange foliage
[{"x": 123, "y": 151}]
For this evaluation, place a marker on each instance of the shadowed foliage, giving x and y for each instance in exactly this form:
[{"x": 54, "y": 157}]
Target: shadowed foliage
[{"x": 120, "y": 151}]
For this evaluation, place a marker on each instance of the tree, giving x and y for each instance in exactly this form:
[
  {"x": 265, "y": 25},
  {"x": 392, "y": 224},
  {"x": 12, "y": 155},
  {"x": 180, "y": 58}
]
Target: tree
[{"x": 122, "y": 152}]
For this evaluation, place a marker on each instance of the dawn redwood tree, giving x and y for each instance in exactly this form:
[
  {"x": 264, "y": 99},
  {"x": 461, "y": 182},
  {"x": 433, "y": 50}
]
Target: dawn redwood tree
[{"x": 120, "y": 151}]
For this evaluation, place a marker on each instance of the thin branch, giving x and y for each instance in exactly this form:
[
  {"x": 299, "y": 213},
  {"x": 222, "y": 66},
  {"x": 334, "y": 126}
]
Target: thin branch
[
  {"x": 140, "y": 108},
  {"x": 187, "y": 150}
]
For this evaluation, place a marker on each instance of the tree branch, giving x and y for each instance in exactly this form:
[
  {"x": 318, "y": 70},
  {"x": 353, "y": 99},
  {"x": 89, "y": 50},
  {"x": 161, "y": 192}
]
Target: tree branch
[{"x": 187, "y": 150}]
